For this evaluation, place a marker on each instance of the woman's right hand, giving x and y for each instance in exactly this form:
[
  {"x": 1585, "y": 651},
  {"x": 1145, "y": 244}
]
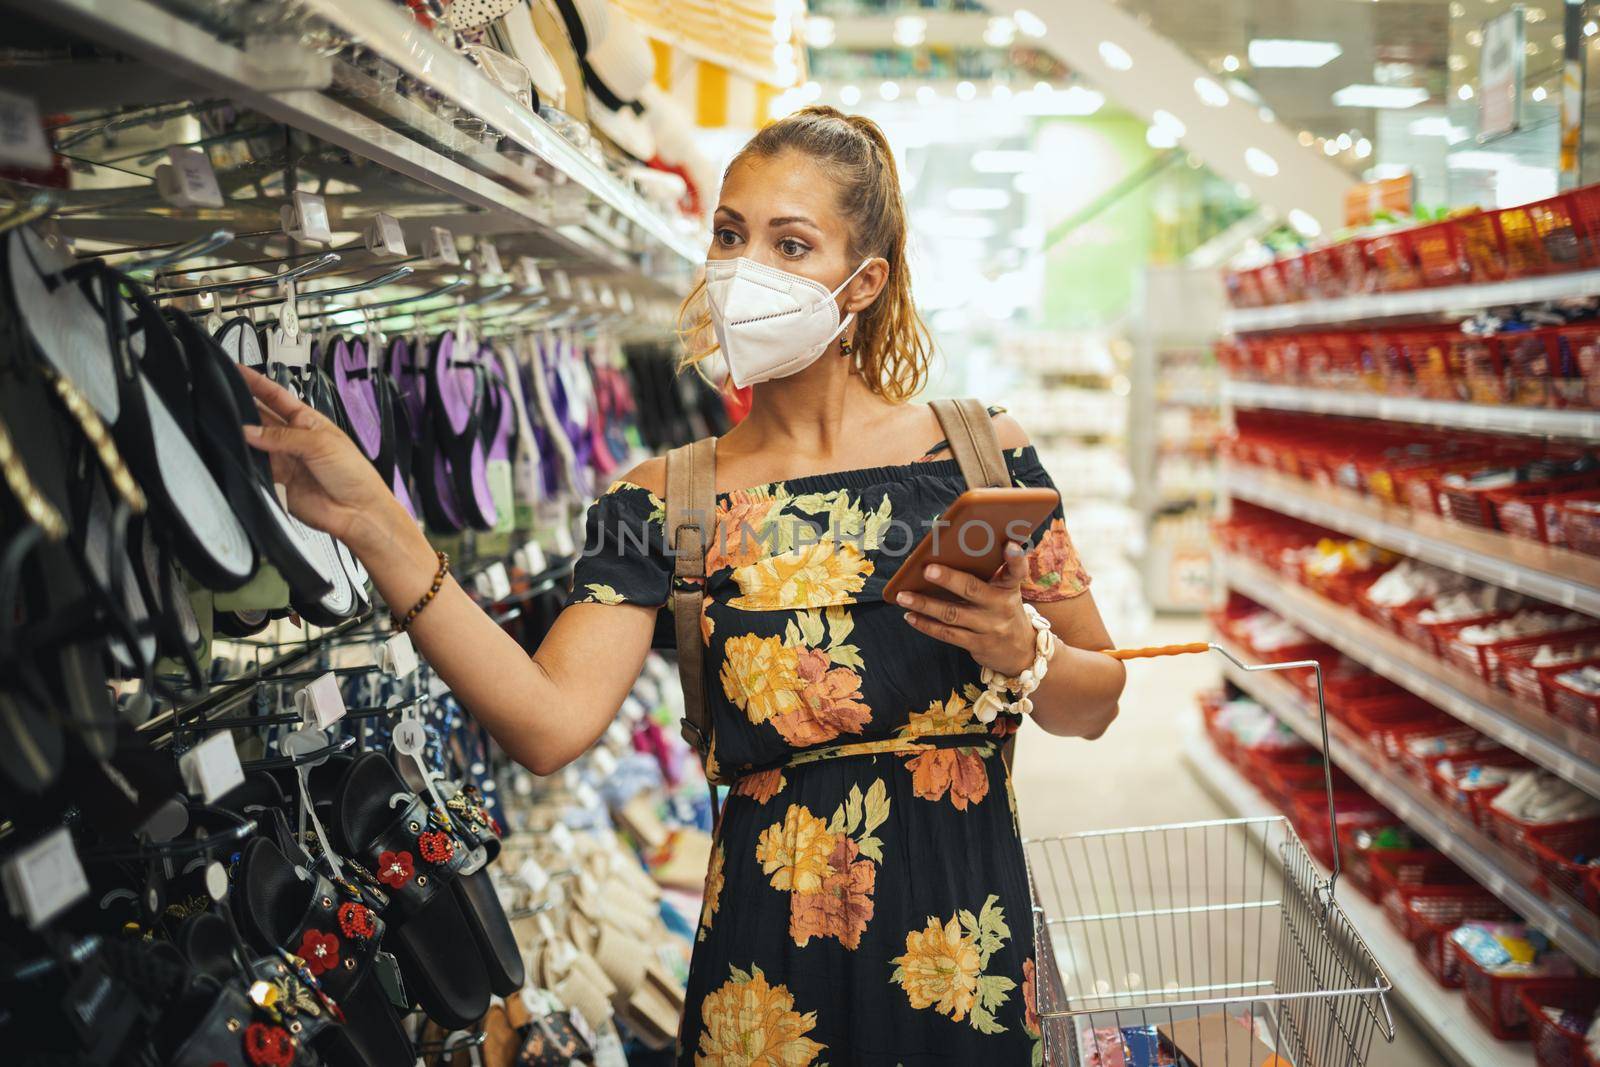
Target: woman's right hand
[{"x": 329, "y": 483}]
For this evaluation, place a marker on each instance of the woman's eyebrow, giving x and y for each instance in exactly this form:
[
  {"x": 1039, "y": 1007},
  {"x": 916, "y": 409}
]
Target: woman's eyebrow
[
  {"x": 784, "y": 220},
  {"x": 728, "y": 211}
]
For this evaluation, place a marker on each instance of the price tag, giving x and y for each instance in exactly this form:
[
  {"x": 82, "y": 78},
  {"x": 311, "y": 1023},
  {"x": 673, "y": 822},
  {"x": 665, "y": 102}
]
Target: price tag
[
  {"x": 187, "y": 180},
  {"x": 586, "y": 795},
  {"x": 384, "y": 236},
  {"x": 305, "y": 218},
  {"x": 321, "y": 703},
  {"x": 409, "y": 737},
  {"x": 490, "y": 257},
  {"x": 211, "y": 768},
  {"x": 530, "y": 558},
  {"x": 605, "y": 764},
  {"x": 608, "y": 296},
  {"x": 561, "y": 837},
  {"x": 532, "y": 875},
  {"x": 561, "y": 285},
  {"x": 44, "y": 879},
  {"x": 625, "y": 302},
  {"x": 499, "y": 580},
  {"x": 22, "y": 140},
  {"x": 527, "y": 276},
  {"x": 563, "y": 540},
  {"x": 398, "y": 656},
  {"x": 440, "y": 247},
  {"x": 586, "y": 293}
]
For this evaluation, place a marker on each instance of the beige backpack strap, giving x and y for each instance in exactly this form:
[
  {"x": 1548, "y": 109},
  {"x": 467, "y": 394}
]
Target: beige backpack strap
[
  {"x": 691, "y": 518},
  {"x": 969, "y": 431}
]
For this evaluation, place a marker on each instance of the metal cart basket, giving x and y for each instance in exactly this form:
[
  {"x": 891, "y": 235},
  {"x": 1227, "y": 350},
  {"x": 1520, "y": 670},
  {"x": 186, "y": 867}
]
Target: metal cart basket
[{"x": 1216, "y": 944}]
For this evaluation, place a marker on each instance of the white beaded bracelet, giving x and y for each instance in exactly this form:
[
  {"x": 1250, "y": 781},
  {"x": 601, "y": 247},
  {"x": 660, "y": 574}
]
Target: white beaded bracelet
[{"x": 993, "y": 699}]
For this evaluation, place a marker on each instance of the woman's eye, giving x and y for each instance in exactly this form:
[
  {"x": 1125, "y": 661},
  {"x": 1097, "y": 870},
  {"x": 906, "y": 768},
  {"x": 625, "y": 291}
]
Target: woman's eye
[
  {"x": 792, "y": 247},
  {"x": 726, "y": 237}
]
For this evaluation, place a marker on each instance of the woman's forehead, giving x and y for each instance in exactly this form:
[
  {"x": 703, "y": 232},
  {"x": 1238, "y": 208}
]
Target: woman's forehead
[{"x": 790, "y": 184}]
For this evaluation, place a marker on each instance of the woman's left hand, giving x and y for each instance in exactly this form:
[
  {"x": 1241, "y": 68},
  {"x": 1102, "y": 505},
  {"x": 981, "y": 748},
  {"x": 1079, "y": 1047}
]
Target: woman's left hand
[{"x": 985, "y": 618}]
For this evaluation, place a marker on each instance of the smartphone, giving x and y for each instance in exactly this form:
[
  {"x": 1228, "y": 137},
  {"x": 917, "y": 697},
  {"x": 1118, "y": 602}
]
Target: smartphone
[{"x": 971, "y": 536}]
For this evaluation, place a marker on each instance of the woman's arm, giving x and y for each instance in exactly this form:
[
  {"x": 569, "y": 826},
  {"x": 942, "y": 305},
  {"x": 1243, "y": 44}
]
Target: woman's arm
[{"x": 544, "y": 711}]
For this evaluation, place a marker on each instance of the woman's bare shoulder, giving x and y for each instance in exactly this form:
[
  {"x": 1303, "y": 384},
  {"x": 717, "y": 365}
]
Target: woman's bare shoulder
[
  {"x": 1009, "y": 431},
  {"x": 651, "y": 475}
]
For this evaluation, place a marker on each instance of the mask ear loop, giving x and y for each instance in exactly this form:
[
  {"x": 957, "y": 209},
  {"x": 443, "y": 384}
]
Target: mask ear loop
[{"x": 847, "y": 348}]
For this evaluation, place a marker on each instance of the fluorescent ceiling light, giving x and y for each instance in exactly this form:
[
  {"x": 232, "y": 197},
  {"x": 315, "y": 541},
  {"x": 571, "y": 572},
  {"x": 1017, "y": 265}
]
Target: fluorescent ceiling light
[
  {"x": 1158, "y": 137},
  {"x": 978, "y": 198},
  {"x": 889, "y": 90},
  {"x": 819, "y": 31},
  {"x": 1260, "y": 163},
  {"x": 1305, "y": 225},
  {"x": 966, "y": 90},
  {"x": 1115, "y": 56},
  {"x": 910, "y": 30},
  {"x": 999, "y": 32},
  {"x": 1168, "y": 122},
  {"x": 1475, "y": 160},
  {"x": 1385, "y": 96},
  {"x": 1437, "y": 126},
  {"x": 1282, "y": 52},
  {"x": 959, "y": 227},
  {"x": 1002, "y": 161},
  {"x": 1028, "y": 22},
  {"x": 1075, "y": 101},
  {"x": 1363, "y": 148},
  {"x": 1210, "y": 93},
  {"x": 850, "y": 96},
  {"x": 1244, "y": 91}
]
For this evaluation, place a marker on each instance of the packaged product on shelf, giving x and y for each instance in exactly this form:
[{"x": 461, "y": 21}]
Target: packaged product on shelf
[
  {"x": 1503, "y": 949},
  {"x": 1540, "y": 798}
]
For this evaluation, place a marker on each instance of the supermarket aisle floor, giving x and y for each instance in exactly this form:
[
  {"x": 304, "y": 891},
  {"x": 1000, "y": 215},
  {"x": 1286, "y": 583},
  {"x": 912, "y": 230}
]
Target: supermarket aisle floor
[{"x": 1133, "y": 776}]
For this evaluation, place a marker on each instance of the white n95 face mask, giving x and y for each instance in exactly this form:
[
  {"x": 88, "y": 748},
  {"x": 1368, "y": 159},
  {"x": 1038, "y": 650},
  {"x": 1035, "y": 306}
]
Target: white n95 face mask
[{"x": 770, "y": 323}]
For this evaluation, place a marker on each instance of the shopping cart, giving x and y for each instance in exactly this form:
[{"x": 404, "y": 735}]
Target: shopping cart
[{"x": 1217, "y": 943}]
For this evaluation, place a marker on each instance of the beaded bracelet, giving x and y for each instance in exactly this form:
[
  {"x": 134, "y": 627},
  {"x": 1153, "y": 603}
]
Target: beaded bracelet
[
  {"x": 400, "y": 625},
  {"x": 992, "y": 701}
]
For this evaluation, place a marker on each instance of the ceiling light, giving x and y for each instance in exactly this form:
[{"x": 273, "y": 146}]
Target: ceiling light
[
  {"x": 1458, "y": 63},
  {"x": 1243, "y": 91},
  {"x": 1115, "y": 56},
  {"x": 1001, "y": 91},
  {"x": 1304, "y": 223},
  {"x": 1475, "y": 160},
  {"x": 1002, "y": 161},
  {"x": 966, "y": 90},
  {"x": 1344, "y": 142},
  {"x": 1159, "y": 137},
  {"x": 1282, "y": 52},
  {"x": 1539, "y": 93},
  {"x": 1465, "y": 92},
  {"x": 910, "y": 30},
  {"x": 999, "y": 32},
  {"x": 1305, "y": 139},
  {"x": 1230, "y": 63},
  {"x": 926, "y": 94},
  {"x": 1590, "y": 28},
  {"x": 977, "y": 198},
  {"x": 1363, "y": 148},
  {"x": 1028, "y": 22},
  {"x": 889, "y": 90},
  {"x": 819, "y": 31},
  {"x": 1267, "y": 114},
  {"x": 1210, "y": 93},
  {"x": 812, "y": 89},
  {"x": 849, "y": 96},
  {"x": 1260, "y": 163},
  {"x": 1166, "y": 120},
  {"x": 1330, "y": 148},
  {"x": 1385, "y": 96},
  {"x": 1437, "y": 126},
  {"x": 1075, "y": 100}
]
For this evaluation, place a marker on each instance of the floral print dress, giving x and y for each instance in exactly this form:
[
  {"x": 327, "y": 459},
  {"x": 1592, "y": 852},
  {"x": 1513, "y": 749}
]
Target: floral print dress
[{"x": 867, "y": 901}]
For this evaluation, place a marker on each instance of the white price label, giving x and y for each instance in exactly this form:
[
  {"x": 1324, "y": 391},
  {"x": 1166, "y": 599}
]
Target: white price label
[
  {"x": 441, "y": 247},
  {"x": 410, "y": 738},
  {"x": 305, "y": 218},
  {"x": 384, "y": 236},
  {"x": 605, "y": 764},
  {"x": 321, "y": 702},
  {"x": 530, "y": 558},
  {"x": 528, "y": 278},
  {"x": 44, "y": 879},
  {"x": 499, "y": 580},
  {"x": 398, "y": 656},
  {"x": 490, "y": 260},
  {"x": 561, "y": 837},
  {"x": 587, "y": 797},
  {"x": 188, "y": 180},
  {"x": 561, "y": 284},
  {"x": 211, "y": 768},
  {"x": 563, "y": 540},
  {"x": 22, "y": 141},
  {"x": 532, "y": 875}
]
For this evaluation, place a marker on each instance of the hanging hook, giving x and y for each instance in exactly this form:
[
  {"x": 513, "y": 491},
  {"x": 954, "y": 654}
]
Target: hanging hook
[
  {"x": 327, "y": 259},
  {"x": 200, "y": 246},
  {"x": 25, "y": 212},
  {"x": 389, "y": 278},
  {"x": 176, "y": 849},
  {"x": 277, "y": 763}
]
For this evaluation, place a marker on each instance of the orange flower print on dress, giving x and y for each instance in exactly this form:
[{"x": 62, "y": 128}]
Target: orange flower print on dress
[
  {"x": 843, "y": 906},
  {"x": 713, "y": 894},
  {"x": 761, "y": 786},
  {"x": 949, "y": 770},
  {"x": 760, "y": 675},
  {"x": 795, "y": 851},
  {"x": 747, "y": 1022},
  {"x": 1054, "y": 570},
  {"x": 831, "y": 703},
  {"x": 742, "y": 529},
  {"x": 811, "y": 576},
  {"x": 943, "y": 965}
]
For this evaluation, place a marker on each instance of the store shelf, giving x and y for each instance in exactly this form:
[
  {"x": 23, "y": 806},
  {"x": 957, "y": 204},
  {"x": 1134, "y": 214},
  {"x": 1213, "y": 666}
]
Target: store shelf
[
  {"x": 1455, "y": 299},
  {"x": 1507, "y": 876},
  {"x": 1557, "y": 575},
  {"x": 1539, "y": 422},
  {"x": 1572, "y": 755},
  {"x": 276, "y": 87},
  {"x": 1441, "y": 1014}
]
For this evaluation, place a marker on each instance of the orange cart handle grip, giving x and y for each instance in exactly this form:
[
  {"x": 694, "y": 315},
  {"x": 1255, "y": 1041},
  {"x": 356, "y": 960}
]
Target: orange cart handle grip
[{"x": 1158, "y": 650}]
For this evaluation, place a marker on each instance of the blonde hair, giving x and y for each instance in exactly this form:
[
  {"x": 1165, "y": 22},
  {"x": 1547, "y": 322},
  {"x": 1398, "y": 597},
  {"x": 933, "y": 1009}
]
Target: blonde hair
[{"x": 892, "y": 345}]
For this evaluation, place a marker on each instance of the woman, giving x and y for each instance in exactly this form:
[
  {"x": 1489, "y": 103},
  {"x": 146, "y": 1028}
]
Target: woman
[{"x": 867, "y": 904}]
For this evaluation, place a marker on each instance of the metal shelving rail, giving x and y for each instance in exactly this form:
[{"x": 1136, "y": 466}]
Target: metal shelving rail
[
  {"x": 1445, "y": 300},
  {"x": 278, "y": 88},
  {"x": 1538, "y": 422},
  {"x": 1507, "y": 876},
  {"x": 1569, "y": 753},
  {"x": 1442, "y": 1015},
  {"x": 1557, "y": 575}
]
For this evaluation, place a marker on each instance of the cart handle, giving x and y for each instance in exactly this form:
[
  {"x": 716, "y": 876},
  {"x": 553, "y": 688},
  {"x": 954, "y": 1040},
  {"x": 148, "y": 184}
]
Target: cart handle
[{"x": 1157, "y": 651}]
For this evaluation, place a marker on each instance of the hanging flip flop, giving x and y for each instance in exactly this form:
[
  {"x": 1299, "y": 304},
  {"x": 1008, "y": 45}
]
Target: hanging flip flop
[
  {"x": 287, "y": 910},
  {"x": 319, "y": 393},
  {"x": 32, "y": 744},
  {"x": 456, "y": 398},
  {"x": 387, "y": 828},
  {"x": 429, "y": 468}
]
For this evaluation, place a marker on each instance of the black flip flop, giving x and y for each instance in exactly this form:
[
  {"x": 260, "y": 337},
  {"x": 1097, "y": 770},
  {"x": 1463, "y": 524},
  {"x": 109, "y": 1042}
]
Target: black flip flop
[{"x": 388, "y": 829}]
